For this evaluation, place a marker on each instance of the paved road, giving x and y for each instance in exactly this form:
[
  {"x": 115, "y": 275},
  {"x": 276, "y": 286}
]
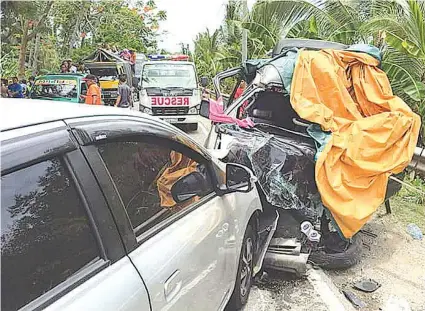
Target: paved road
[{"x": 278, "y": 291}]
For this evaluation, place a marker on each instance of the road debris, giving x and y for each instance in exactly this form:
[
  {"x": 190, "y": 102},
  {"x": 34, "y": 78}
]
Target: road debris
[
  {"x": 414, "y": 231},
  {"x": 367, "y": 286},
  {"x": 357, "y": 302}
]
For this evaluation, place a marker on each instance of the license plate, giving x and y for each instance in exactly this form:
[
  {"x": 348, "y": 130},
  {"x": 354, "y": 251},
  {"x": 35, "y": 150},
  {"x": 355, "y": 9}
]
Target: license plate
[{"x": 171, "y": 120}]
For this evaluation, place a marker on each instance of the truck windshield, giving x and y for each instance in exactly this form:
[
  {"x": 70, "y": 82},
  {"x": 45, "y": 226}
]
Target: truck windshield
[
  {"x": 55, "y": 89},
  {"x": 105, "y": 73},
  {"x": 168, "y": 75}
]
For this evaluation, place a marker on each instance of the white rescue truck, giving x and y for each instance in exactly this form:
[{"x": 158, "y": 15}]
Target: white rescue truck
[{"x": 169, "y": 89}]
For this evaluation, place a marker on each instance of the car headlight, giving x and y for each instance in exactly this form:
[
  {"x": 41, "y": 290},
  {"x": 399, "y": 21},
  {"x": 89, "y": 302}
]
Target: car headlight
[
  {"x": 145, "y": 110},
  {"x": 194, "y": 110}
]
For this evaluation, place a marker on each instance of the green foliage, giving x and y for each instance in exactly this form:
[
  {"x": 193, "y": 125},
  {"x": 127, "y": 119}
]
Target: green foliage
[
  {"x": 73, "y": 29},
  {"x": 413, "y": 197},
  {"x": 397, "y": 27},
  {"x": 9, "y": 64}
]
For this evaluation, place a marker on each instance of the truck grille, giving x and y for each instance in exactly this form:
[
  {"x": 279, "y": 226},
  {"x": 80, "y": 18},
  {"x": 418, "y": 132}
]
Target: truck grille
[
  {"x": 169, "y": 111},
  {"x": 109, "y": 93}
]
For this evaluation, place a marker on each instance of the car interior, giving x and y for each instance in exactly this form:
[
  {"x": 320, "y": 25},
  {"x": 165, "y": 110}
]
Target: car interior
[{"x": 272, "y": 111}]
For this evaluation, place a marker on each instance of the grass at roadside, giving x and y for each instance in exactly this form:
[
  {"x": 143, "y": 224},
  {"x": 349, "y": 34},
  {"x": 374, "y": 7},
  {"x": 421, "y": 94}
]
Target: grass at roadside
[{"x": 408, "y": 205}]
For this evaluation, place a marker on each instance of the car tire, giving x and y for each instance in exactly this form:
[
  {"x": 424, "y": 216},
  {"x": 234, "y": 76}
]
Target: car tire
[
  {"x": 245, "y": 271},
  {"x": 338, "y": 261},
  {"x": 192, "y": 127}
]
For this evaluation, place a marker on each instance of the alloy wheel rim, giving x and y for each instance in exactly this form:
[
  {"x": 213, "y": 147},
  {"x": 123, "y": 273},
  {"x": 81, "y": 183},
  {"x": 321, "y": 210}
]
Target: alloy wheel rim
[{"x": 246, "y": 272}]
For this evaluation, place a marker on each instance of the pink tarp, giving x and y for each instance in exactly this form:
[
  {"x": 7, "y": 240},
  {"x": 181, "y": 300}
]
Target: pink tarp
[{"x": 217, "y": 115}]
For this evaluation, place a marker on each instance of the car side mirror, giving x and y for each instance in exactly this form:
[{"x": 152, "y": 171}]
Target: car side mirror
[
  {"x": 239, "y": 178},
  {"x": 204, "y": 110},
  {"x": 189, "y": 186},
  {"x": 204, "y": 81}
]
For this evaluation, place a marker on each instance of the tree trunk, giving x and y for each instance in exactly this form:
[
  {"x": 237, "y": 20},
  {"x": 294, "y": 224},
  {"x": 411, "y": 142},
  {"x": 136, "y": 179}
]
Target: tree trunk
[
  {"x": 23, "y": 51},
  {"x": 35, "y": 56},
  {"x": 26, "y": 37},
  {"x": 31, "y": 47}
]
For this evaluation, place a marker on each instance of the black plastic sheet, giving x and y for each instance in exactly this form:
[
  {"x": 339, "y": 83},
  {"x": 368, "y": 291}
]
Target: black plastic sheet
[{"x": 283, "y": 164}]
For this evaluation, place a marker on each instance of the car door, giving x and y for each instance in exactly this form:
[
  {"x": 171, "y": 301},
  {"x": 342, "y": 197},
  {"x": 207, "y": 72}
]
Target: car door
[
  {"x": 187, "y": 253},
  {"x": 60, "y": 247},
  {"x": 229, "y": 81}
]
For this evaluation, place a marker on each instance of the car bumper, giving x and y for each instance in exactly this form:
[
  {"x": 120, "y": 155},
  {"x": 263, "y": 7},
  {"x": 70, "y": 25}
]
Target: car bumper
[{"x": 180, "y": 119}]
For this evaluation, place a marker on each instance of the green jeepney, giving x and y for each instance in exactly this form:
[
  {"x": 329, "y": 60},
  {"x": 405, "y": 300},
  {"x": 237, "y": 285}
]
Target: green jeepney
[{"x": 60, "y": 87}]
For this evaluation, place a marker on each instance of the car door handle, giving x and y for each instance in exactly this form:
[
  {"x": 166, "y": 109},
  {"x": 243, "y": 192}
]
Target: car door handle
[{"x": 172, "y": 286}]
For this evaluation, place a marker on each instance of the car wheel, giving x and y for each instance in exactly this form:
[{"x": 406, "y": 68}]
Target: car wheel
[
  {"x": 245, "y": 271},
  {"x": 342, "y": 260}
]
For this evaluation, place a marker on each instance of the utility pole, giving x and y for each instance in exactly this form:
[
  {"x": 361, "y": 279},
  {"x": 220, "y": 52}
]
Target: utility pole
[{"x": 244, "y": 32}]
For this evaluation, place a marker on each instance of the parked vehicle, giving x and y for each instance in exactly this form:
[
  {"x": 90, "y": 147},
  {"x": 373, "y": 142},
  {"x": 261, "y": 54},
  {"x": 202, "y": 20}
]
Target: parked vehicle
[
  {"x": 108, "y": 67},
  {"x": 60, "y": 87},
  {"x": 169, "y": 90},
  {"x": 107, "y": 209},
  {"x": 282, "y": 156}
]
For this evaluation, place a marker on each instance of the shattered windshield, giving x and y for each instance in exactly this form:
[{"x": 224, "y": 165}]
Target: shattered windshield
[
  {"x": 163, "y": 75},
  {"x": 284, "y": 167}
]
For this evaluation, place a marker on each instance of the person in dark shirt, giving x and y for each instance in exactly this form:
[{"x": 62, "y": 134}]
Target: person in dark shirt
[
  {"x": 15, "y": 89},
  {"x": 124, "y": 99}
]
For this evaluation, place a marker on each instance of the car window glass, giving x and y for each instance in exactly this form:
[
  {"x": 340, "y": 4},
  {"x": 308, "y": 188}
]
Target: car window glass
[
  {"x": 45, "y": 234},
  {"x": 144, "y": 174}
]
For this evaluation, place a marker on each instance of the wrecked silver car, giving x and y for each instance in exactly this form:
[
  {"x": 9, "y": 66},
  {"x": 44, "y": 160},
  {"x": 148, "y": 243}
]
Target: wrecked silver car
[{"x": 261, "y": 130}]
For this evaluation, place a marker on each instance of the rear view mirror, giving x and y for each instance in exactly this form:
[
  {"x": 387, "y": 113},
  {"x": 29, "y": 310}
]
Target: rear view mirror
[
  {"x": 239, "y": 178},
  {"x": 205, "y": 109},
  {"x": 204, "y": 81},
  {"x": 189, "y": 186}
]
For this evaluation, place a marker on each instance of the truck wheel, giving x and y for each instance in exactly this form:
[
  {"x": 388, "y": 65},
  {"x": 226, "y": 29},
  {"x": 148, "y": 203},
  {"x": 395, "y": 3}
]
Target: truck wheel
[
  {"x": 336, "y": 261},
  {"x": 245, "y": 270}
]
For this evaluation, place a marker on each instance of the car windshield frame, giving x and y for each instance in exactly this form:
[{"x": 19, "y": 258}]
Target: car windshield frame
[{"x": 160, "y": 78}]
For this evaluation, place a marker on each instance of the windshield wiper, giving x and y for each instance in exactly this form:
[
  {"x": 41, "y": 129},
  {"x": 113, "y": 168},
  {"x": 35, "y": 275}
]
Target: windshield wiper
[{"x": 181, "y": 88}]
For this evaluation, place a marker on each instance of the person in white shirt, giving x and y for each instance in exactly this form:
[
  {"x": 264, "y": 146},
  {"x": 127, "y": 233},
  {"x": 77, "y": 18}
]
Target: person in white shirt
[{"x": 71, "y": 67}]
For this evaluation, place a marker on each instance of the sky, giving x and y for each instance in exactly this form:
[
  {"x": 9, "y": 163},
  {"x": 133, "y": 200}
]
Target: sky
[{"x": 186, "y": 18}]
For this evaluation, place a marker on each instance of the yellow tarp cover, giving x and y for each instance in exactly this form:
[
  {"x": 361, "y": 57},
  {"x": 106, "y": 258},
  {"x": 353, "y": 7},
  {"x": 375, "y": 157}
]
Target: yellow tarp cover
[{"x": 374, "y": 133}]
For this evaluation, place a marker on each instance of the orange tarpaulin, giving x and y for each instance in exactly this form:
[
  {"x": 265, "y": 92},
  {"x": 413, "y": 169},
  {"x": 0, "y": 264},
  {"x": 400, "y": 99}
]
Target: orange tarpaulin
[
  {"x": 374, "y": 133},
  {"x": 180, "y": 166}
]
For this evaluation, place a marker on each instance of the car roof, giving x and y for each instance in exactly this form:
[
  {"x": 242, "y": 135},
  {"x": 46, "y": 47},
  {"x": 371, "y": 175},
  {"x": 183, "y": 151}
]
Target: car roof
[
  {"x": 19, "y": 112},
  {"x": 169, "y": 62},
  {"x": 58, "y": 75},
  {"x": 307, "y": 44}
]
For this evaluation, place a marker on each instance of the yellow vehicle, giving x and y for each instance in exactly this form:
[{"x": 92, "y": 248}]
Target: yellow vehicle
[{"x": 108, "y": 67}]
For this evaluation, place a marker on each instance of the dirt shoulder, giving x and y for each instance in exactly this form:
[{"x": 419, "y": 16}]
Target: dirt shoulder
[{"x": 393, "y": 259}]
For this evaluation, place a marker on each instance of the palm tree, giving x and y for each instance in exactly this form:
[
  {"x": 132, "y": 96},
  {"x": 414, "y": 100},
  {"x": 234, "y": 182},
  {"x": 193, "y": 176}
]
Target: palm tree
[{"x": 395, "y": 26}]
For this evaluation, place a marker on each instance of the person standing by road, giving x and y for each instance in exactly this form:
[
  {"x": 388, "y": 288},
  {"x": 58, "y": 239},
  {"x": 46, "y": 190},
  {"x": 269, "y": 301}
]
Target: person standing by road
[
  {"x": 125, "y": 97},
  {"x": 24, "y": 87},
  {"x": 30, "y": 85},
  {"x": 94, "y": 95},
  {"x": 133, "y": 61},
  {"x": 15, "y": 89},
  {"x": 71, "y": 67},
  {"x": 64, "y": 67},
  {"x": 4, "y": 90}
]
